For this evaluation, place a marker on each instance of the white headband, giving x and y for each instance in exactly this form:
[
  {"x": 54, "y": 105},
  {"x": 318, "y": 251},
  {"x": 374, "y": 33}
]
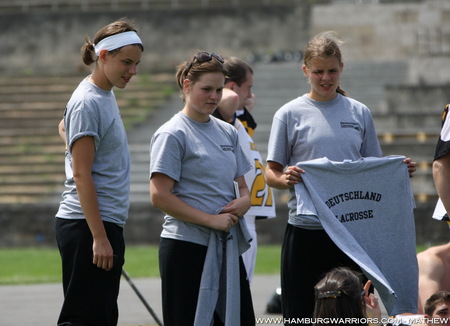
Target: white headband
[{"x": 117, "y": 41}]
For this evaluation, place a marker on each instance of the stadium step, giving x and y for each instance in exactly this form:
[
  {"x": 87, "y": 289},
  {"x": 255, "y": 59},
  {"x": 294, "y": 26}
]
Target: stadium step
[{"x": 32, "y": 152}]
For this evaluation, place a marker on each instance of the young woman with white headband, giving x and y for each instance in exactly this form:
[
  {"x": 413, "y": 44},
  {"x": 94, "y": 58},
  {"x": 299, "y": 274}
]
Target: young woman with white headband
[{"x": 94, "y": 206}]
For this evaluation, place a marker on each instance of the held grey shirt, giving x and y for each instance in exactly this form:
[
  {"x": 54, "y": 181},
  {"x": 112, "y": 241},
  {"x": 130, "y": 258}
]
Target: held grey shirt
[
  {"x": 367, "y": 208},
  {"x": 204, "y": 159}
]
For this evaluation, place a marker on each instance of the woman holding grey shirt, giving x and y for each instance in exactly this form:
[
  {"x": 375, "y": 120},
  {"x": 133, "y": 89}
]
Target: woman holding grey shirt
[
  {"x": 325, "y": 122},
  {"x": 195, "y": 160}
]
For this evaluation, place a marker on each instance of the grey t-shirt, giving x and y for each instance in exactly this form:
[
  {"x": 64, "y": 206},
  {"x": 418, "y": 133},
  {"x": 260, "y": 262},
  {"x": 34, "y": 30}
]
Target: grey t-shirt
[
  {"x": 92, "y": 111},
  {"x": 366, "y": 207},
  {"x": 203, "y": 159},
  {"x": 304, "y": 129}
]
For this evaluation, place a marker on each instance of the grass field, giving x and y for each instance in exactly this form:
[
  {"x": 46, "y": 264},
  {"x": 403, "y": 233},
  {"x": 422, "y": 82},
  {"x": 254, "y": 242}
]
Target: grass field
[{"x": 43, "y": 265}]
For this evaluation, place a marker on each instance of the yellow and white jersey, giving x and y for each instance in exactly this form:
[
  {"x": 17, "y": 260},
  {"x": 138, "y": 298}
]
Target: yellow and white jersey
[{"x": 262, "y": 199}]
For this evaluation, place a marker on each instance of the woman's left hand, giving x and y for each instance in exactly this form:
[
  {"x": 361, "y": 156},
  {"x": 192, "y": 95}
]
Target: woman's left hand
[
  {"x": 238, "y": 206},
  {"x": 411, "y": 166},
  {"x": 373, "y": 309}
]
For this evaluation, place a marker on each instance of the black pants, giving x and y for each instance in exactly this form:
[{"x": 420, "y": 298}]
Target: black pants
[
  {"x": 305, "y": 258},
  {"x": 90, "y": 293},
  {"x": 181, "y": 266}
]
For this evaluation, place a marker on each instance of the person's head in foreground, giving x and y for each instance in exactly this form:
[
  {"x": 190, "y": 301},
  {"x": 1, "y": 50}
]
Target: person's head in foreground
[
  {"x": 341, "y": 294},
  {"x": 437, "y": 308}
]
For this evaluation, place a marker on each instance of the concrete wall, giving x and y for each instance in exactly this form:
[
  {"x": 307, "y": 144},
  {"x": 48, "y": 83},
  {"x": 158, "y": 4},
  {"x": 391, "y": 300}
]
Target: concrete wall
[
  {"x": 50, "y": 43},
  {"x": 387, "y": 31},
  {"x": 33, "y": 225},
  {"x": 416, "y": 32}
]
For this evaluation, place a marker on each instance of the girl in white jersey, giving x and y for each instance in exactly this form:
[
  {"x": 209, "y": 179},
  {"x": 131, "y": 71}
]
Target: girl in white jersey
[
  {"x": 195, "y": 160},
  {"x": 94, "y": 207},
  {"x": 237, "y": 91},
  {"x": 322, "y": 123}
]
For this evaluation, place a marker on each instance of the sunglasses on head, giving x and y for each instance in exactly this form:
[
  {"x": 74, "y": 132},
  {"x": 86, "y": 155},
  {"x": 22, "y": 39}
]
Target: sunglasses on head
[
  {"x": 334, "y": 294},
  {"x": 201, "y": 57}
]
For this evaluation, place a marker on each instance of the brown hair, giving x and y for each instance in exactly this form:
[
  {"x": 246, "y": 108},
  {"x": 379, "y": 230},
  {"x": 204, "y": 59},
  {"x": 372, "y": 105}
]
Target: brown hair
[
  {"x": 434, "y": 300},
  {"x": 324, "y": 45},
  {"x": 120, "y": 26},
  {"x": 339, "y": 295},
  {"x": 237, "y": 70},
  {"x": 193, "y": 70}
]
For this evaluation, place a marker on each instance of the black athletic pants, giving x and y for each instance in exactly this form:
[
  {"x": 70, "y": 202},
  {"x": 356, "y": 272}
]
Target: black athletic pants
[
  {"x": 306, "y": 256},
  {"x": 90, "y": 293},
  {"x": 181, "y": 266}
]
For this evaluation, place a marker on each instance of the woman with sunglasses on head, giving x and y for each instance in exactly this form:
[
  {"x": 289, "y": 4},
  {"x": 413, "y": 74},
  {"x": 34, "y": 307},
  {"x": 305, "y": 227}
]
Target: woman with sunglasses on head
[
  {"x": 94, "y": 207},
  {"x": 197, "y": 172}
]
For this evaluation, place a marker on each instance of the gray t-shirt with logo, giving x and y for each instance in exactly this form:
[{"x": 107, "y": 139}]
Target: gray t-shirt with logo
[
  {"x": 203, "y": 159},
  {"x": 92, "y": 111}
]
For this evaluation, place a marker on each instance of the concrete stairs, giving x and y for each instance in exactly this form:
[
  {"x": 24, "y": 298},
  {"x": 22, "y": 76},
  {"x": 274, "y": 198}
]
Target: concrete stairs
[
  {"x": 31, "y": 156},
  {"x": 139, "y": 144},
  {"x": 32, "y": 153}
]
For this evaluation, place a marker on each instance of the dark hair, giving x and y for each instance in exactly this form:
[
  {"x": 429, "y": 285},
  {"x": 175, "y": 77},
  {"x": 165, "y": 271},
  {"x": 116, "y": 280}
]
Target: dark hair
[
  {"x": 339, "y": 295},
  {"x": 120, "y": 26},
  {"x": 324, "y": 45},
  {"x": 193, "y": 70},
  {"x": 434, "y": 300},
  {"x": 237, "y": 70}
]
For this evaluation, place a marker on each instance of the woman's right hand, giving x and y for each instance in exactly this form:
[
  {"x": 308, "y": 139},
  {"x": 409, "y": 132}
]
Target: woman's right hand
[
  {"x": 292, "y": 175},
  {"x": 103, "y": 253},
  {"x": 282, "y": 178},
  {"x": 224, "y": 222}
]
